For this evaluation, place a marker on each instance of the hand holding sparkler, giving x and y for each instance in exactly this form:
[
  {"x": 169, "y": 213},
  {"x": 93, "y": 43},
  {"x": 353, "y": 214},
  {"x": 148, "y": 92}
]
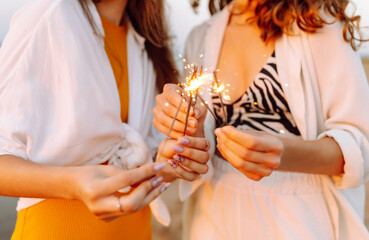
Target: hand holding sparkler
[
  {"x": 177, "y": 105},
  {"x": 171, "y": 111},
  {"x": 254, "y": 153},
  {"x": 187, "y": 158}
]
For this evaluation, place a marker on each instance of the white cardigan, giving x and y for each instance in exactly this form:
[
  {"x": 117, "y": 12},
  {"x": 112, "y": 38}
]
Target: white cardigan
[
  {"x": 328, "y": 93},
  {"x": 59, "y": 103}
]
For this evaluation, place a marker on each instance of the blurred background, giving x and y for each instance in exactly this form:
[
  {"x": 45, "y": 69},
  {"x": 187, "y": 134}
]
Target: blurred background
[{"x": 182, "y": 19}]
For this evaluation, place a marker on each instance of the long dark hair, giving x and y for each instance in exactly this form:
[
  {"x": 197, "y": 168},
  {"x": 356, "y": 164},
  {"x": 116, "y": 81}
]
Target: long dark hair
[
  {"x": 147, "y": 18},
  {"x": 275, "y": 17}
]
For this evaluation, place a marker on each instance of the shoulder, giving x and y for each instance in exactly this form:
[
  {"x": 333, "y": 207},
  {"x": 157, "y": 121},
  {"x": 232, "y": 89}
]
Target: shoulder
[
  {"x": 329, "y": 45},
  {"x": 43, "y": 20},
  {"x": 331, "y": 33},
  {"x": 199, "y": 32},
  {"x": 195, "y": 42},
  {"x": 40, "y": 29},
  {"x": 38, "y": 13},
  {"x": 198, "y": 36}
]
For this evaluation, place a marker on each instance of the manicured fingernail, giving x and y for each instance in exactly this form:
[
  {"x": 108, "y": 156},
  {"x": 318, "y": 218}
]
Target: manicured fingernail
[
  {"x": 184, "y": 141},
  {"x": 192, "y": 123},
  {"x": 178, "y": 158},
  {"x": 177, "y": 148},
  {"x": 165, "y": 187},
  {"x": 156, "y": 182},
  {"x": 173, "y": 164},
  {"x": 159, "y": 166}
]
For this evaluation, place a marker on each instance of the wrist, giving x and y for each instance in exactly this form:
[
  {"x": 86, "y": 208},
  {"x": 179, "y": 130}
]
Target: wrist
[{"x": 72, "y": 188}]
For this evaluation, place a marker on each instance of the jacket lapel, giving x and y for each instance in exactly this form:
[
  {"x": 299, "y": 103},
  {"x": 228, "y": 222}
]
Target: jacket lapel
[
  {"x": 214, "y": 38},
  {"x": 289, "y": 70}
]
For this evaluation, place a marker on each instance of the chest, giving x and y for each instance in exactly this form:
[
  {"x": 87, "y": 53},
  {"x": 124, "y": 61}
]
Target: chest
[{"x": 243, "y": 54}]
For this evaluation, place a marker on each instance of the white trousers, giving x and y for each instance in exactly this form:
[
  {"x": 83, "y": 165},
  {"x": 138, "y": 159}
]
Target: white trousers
[{"x": 282, "y": 206}]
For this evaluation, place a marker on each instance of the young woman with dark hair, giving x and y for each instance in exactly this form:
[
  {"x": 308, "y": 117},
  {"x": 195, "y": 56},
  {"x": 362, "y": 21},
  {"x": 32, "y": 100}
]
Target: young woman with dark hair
[
  {"x": 293, "y": 161},
  {"x": 78, "y": 81}
]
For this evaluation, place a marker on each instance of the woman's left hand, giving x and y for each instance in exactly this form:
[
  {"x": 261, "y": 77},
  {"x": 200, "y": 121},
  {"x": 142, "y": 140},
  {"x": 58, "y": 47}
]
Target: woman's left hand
[
  {"x": 256, "y": 154},
  {"x": 187, "y": 158}
]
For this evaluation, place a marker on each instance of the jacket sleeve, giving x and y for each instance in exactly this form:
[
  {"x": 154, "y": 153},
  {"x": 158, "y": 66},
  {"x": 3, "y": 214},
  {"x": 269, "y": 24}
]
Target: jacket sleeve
[
  {"x": 43, "y": 85},
  {"x": 21, "y": 64},
  {"x": 344, "y": 95}
]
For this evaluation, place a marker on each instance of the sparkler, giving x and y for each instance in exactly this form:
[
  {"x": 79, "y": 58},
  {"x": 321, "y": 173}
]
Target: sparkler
[
  {"x": 207, "y": 106},
  {"x": 192, "y": 86},
  {"x": 191, "y": 89},
  {"x": 218, "y": 89}
]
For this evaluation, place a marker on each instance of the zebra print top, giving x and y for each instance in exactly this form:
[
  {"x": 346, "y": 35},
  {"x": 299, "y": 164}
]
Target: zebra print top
[{"x": 262, "y": 107}]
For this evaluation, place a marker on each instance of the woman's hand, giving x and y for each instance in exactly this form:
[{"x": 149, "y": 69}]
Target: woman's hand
[
  {"x": 166, "y": 108},
  {"x": 98, "y": 186},
  {"x": 255, "y": 154},
  {"x": 187, "y": 158}
]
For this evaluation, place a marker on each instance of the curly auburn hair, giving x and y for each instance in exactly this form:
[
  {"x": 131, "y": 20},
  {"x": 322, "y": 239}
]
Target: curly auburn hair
[{"x": 275, "y": 17}]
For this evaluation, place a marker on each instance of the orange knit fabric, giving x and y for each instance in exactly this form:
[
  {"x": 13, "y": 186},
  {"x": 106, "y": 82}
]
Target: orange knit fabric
[
  {"x": 116, "y": 49},
  {"x": 59, "y": 219}
]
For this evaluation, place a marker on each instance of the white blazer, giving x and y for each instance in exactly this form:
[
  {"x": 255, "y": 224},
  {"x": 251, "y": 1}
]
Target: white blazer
[
  {"x": 328, "y": 93},
  {"x": 59, "y": 103}
]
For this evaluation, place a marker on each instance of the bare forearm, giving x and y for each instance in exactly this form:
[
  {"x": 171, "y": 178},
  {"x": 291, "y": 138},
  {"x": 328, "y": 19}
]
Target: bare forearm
[
  {"x": 321, "y": 156},
  {"x": 20, "y": 178}
]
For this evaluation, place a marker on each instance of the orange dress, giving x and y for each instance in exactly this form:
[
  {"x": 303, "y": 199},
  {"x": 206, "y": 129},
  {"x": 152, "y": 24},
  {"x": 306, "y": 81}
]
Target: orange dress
[{"x": 60, "y": 219}]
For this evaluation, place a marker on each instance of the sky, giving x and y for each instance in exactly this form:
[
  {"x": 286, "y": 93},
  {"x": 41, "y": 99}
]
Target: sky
[{"x": 181, "y": 18}]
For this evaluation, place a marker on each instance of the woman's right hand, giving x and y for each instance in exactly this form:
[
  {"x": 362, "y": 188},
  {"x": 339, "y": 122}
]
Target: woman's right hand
[
  {"x": 167, "y": 105},
  {"x": 97, "y": 187}
]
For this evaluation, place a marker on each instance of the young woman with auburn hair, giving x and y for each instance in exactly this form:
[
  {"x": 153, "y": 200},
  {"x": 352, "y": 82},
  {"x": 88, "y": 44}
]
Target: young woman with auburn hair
[
  {"x": 293, "y": 160},
  {"x": 77, "y": 87}
]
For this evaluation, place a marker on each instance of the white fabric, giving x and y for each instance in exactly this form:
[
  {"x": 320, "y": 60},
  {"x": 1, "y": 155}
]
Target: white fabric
[
  {"x": 327, "y": 91},
  {"x": 267, "y": 209},
  {"x": 59, "y": 103},
  {"x": 282, "y": 206}
]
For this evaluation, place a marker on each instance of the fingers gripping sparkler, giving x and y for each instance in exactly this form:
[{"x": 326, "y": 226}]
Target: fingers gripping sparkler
[
  {"x": 218, "y": 89},
  {"x": 191, "y": 89}
]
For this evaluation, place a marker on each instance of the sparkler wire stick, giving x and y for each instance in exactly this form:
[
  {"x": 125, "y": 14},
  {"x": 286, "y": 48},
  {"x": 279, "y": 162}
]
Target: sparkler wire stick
[
  {"x": 188, "y": 113},
  {"x": 174, "y": 120},
  {"x": 176, "y": 114},
  {"x": 207, "y": 106},
  {"x": 194, "y": 105},
  {"x": 221, "y": 100}
]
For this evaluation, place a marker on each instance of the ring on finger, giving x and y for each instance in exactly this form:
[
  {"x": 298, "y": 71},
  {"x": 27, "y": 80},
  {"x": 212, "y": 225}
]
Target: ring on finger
[{"x": 119, "y": 205}]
